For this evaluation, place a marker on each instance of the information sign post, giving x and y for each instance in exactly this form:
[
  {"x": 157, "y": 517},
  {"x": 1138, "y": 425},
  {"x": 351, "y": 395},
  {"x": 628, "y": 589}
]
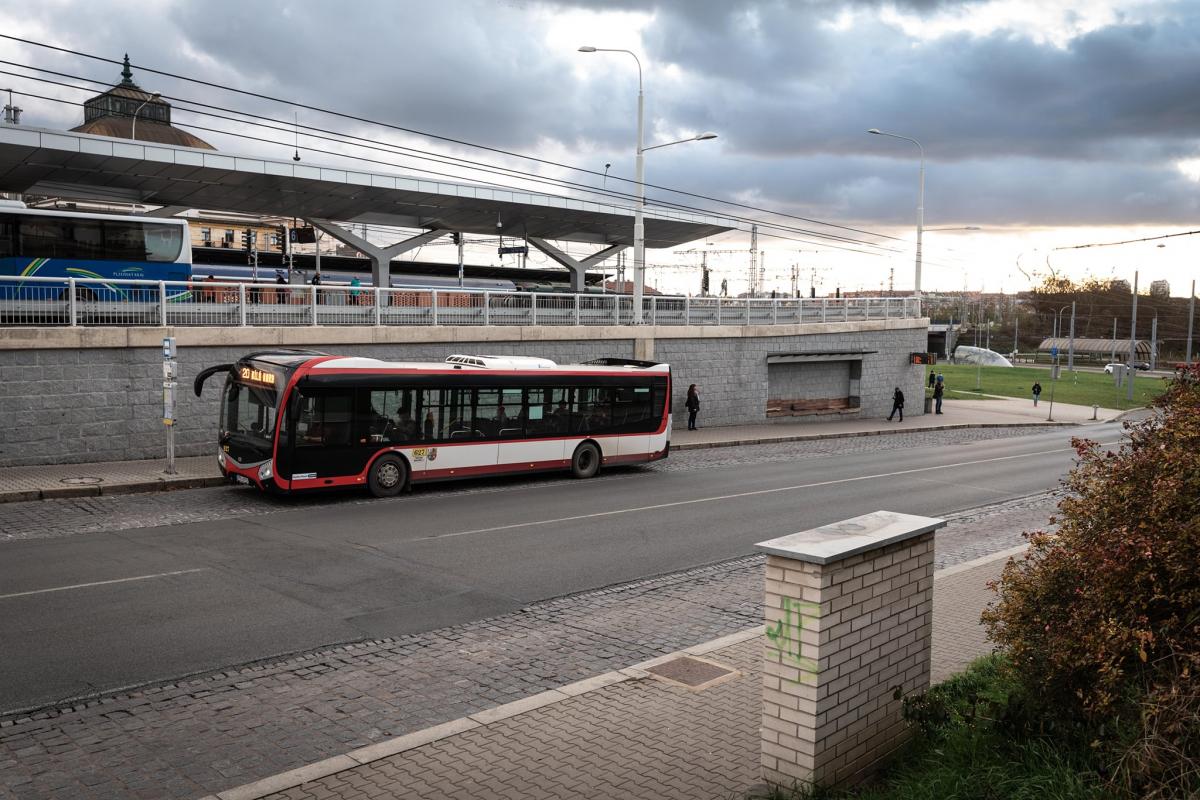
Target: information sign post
[
  {"x": 169, "y": 383},
  {"x": 1053, "y": 380}
]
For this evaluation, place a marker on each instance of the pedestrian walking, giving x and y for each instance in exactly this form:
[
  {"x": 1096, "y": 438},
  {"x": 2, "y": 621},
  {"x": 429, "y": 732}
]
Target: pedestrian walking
[
  {"x": 693, "y": 406},
  {"x": 897, "y": 404},
  {"x": 1037, "y": 392},
  {"x": 939, "y": 389},
  {"x": 932, "y": 379}
]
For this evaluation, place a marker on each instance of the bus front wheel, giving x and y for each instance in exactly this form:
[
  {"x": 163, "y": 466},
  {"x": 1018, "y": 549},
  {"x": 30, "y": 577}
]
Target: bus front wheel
[
  {"x": 389, "y": 475},
  {"x": 586, "y": 461}
]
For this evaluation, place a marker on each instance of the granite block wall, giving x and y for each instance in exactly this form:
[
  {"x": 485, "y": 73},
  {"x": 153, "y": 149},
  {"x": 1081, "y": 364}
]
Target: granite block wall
[{"x": 98, "y": 403}]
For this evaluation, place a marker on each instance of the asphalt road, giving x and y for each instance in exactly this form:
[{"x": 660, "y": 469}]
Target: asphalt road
[{"x": 85, "y": 614}]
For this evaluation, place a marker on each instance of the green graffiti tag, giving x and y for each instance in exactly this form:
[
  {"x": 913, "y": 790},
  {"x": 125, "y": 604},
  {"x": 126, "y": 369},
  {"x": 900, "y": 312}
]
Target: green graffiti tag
[{"x": 784, "y": 637}]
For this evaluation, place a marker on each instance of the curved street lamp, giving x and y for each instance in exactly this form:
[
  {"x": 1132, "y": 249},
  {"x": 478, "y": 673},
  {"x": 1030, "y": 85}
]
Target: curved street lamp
[
  {"x": 920, "y": 201},
  {"x": 133, "y": 127},
  {"x": 639, "y": 227}
]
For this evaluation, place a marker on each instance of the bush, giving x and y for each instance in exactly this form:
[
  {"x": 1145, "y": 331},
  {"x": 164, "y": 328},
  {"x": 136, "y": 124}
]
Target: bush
[{"x": 1101, "y": 621}]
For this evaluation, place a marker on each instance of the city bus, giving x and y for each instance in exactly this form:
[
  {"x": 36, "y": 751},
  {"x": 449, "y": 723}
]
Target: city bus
[
  {"x": 45, "y": 243},
  {"x": 300, "y": 420}
]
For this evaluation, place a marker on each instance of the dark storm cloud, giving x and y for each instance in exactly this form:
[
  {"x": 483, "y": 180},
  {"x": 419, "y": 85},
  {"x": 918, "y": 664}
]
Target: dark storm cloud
[{"x": 1016, "y": 130}]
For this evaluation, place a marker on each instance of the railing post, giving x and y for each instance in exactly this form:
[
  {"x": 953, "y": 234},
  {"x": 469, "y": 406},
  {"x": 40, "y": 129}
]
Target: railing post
[
  {"x": 533, "y": 308},
  {"x": 718, "y": 311},
  {"x": 487, "y": 308},
  {"x": 653, "y": 310},
  {"x": 577, "y": 310},
  {"x": 433, "y": 304},
  {"x": 242, "y": 304},
  {"x": 73, "y": 311},
  {"x": 313, "y": 303},
  {"x": 845, "y": 310},
  {"x": 749, "y": 301},
  {"x": 824, "y": 308},
  {"x": 162, "y": 303},
  {"x": 774, "y": 312},
  {"x": 378, "y": 295},
  {"x": 687, "y": 310},
  {"x": 616, "y": 309}
]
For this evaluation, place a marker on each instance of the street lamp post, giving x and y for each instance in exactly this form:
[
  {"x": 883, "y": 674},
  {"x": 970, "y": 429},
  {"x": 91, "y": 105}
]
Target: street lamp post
[
  {"x": 639, "y": 227},
  {"x": 920, "y": 202},
  {"x": 133, "y": 127}
]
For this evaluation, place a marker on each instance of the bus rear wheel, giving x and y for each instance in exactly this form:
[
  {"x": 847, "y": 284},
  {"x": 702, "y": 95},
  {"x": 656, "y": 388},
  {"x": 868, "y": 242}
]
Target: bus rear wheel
[
  {"x": 389, "y": 475},
  {"x": 585, "y": 463}
]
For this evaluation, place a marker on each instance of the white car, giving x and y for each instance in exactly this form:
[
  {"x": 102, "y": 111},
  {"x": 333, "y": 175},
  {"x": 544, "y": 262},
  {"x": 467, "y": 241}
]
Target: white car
[{"x": 1108, "y": 368}]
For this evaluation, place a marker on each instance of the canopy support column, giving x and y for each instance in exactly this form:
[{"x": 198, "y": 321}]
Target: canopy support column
[
  {"x": 577, "y": 267},
  {"x": 381, "y": 257}
]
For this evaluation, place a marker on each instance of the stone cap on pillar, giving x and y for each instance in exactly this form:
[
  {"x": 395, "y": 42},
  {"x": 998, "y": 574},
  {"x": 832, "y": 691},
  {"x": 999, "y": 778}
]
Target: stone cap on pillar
[{"x": 838, "y": 540}]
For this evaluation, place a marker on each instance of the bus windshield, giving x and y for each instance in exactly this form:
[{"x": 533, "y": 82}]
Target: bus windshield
[{"x": 248, "y": 415}]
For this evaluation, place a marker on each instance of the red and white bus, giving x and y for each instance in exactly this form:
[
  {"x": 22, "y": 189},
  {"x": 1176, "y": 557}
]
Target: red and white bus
[{"x": 298, "y": 420}]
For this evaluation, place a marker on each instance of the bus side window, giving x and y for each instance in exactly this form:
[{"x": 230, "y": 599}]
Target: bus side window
[
  {"x": 8, "y": 234},
  {"x": 429, "y": 415}
]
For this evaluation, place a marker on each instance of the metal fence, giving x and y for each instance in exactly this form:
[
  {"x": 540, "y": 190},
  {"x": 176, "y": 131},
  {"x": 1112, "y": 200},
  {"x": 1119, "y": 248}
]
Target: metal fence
[{"x": 92, "y": 302}]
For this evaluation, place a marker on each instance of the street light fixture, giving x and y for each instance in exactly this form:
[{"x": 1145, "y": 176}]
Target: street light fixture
[
  {"x": 133, "y": 127},
  {"x": 639, "y": 227},
  {"x": 920, "y": 201}
]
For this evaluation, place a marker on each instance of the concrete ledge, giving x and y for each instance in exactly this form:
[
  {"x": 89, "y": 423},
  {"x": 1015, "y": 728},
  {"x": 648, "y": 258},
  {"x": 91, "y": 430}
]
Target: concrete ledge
[
  {"x": 97, "y": 490},
  {"x": 518, "y": 707},
  {"x": 805, "y": 437},
  {"x": 391, "y": 747},
  {"x": 328, "y": 337}
]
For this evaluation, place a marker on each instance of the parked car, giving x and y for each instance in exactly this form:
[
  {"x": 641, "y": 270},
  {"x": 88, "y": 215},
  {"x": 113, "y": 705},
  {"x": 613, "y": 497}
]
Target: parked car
[{"x": 1142, "y": 365}]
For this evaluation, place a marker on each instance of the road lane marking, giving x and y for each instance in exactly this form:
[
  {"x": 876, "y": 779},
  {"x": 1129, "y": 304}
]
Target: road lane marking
[
  {"x": 103, "y": 583},
  {"x": 754, "y": 493}
]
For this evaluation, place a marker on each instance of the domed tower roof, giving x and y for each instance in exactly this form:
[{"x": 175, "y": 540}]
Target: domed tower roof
[{"x": 112, "y": 114}]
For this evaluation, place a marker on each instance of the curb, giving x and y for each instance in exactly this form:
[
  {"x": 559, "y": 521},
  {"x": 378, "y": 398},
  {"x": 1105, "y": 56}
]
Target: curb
[
  {"x": 386, "y": 748},
  {"x": 807, "y": 437},
  {"x": 410, "y": 741},
  {"x": 134, "y": 487},
  {"x": 199, "y": 482}
]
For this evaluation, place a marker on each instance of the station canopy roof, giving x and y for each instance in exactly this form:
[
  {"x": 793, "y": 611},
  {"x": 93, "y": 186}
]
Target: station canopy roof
[{"x": 87, "y": 167}]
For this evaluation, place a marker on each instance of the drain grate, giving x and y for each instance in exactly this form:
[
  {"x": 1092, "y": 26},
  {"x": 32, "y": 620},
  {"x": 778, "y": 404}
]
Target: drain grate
[
  {"x": 691, "y": 672},
  {"x": 84, "y": 480}
]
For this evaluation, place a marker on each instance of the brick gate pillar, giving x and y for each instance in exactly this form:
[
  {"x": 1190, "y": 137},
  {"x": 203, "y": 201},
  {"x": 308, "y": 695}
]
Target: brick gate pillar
[{"x": 849, "y": 610}]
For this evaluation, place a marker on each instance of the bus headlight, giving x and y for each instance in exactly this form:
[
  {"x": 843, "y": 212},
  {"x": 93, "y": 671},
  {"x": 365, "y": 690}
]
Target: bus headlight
[
  {"x": 221, "y": 458},
  {"x": 264, "y": 472}
]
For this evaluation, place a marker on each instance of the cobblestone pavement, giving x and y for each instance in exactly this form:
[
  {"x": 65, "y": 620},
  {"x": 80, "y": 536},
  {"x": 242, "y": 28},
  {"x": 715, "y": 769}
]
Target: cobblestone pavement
[
  {"x": 41, "y": 519},
  {"x": 215, "y": 731}
]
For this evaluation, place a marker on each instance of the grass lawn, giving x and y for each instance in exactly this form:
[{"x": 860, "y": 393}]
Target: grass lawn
[{"x": 1078, "y": 388}]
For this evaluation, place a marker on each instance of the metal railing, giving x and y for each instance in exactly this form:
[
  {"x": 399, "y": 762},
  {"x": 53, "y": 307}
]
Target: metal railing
[{"x": 97, "y": 302}]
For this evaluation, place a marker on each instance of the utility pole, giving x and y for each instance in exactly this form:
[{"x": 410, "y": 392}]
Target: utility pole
[
  {"x": 754, "y": 261},
  {"x": 1132, "y": 340},
  {"x": 1016, "y": 335},
  {"x": 1113, "y": 360},
  {"x": 12, "y": 114},
  {"x": 1071, "y": 343},
  {"x": 1191, "y": 316}
]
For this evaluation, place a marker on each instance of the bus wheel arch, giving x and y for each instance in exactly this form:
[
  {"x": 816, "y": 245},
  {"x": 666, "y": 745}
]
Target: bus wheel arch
[
  {"x": 388, "y": 475},
  {"x": 585, "y": 461}
]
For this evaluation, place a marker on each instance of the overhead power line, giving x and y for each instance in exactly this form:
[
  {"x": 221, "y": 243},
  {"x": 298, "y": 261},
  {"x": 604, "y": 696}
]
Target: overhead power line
[{"x": 447, "y": 139}]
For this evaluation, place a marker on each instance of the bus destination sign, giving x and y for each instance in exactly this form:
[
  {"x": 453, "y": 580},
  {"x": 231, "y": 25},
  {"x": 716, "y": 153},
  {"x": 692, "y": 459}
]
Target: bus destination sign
[{"x": 257, "y": 376}]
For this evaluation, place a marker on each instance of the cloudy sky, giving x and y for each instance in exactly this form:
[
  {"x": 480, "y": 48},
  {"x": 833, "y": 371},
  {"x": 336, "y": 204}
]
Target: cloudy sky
[{"x": 1045, "y": 125}]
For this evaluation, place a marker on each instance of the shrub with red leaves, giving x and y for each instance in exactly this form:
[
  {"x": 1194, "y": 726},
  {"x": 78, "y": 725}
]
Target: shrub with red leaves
[{"x": 1101, "y": 620}]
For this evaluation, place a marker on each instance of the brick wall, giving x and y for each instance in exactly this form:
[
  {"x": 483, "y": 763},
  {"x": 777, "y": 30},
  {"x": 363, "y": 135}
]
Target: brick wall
[{"x": 843, "y": 639}]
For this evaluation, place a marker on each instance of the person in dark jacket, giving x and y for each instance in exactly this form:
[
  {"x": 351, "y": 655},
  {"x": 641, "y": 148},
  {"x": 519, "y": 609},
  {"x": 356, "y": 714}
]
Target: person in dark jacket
[
  {"x": 897, "y": 404},
  {"x": 932, "y": 379},
  {"x": 1037, "y": 392},
  {"x": 939, "y": 389},
  {"x": 693, "y": 406}
]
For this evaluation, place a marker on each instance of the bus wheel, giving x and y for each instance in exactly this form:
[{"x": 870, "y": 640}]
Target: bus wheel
[
  {"x": 389, "y": 475},
  {"x": 586, "y": 461}
]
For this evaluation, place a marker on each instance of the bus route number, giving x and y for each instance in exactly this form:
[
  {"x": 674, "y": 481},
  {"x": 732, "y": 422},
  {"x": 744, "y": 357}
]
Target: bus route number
[{"x": 259, "y": 376}]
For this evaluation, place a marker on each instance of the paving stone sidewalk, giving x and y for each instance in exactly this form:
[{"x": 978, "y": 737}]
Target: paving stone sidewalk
[
  {"x": 212, "y": 732},
  {"x": 121, "y": 477},
  {"x": 639, "y": 738}
]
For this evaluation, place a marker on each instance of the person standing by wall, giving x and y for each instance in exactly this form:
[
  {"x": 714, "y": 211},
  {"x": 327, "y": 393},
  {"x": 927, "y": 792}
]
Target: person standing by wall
[
  {"x": 692, "y": 404},
  {"x": 939, "y": 389},
  {"x": 1037, "y": 392},
  {"x": 897, "y": 404}
]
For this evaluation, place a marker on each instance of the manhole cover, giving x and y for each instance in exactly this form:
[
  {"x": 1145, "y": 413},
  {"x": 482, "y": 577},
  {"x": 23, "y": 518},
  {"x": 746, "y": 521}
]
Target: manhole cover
[
  {"x": 691, "y": 672},
  {"x": 84, "y": 480}
]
